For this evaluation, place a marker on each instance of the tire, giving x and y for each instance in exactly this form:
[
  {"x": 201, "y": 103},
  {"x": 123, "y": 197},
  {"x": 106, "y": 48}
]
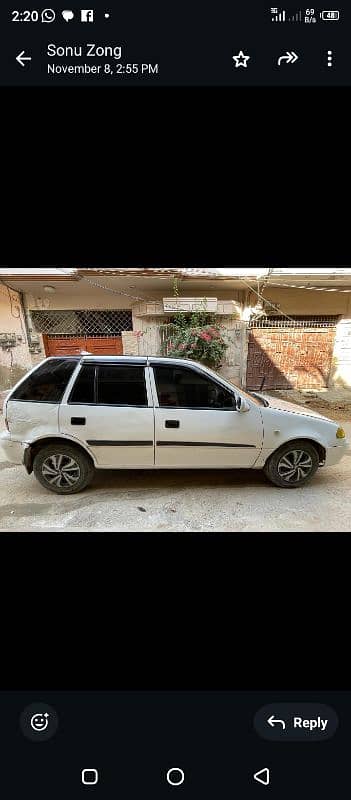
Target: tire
[
  {"x": 303, "y": 460},
  {"x": 74, "y": 469}
]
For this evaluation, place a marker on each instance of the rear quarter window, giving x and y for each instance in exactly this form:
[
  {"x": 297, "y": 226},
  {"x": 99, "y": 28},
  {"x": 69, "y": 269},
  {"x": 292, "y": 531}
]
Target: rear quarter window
[{"x": 47, "y": 384}]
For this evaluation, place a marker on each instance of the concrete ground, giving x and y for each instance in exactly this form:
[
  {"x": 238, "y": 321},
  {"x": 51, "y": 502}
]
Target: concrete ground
[{"x": 179, "y": 501}]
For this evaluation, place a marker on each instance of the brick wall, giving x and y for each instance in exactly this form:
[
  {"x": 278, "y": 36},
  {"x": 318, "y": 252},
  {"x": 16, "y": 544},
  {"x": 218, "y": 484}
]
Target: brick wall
[{"x": 290, "y": 358}]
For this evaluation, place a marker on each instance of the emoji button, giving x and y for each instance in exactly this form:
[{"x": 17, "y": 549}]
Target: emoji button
[{"x": 39, "y": 722}]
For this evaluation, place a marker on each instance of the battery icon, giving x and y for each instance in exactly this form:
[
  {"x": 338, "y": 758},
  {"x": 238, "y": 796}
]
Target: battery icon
[{"x": 330, "y": 16}]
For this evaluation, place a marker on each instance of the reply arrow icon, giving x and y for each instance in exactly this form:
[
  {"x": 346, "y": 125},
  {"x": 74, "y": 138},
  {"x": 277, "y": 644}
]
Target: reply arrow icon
[
  {"x": 21, "y": 58},
  {"x": 272, "y": 722},
  {"x": 290, "y": 58}
]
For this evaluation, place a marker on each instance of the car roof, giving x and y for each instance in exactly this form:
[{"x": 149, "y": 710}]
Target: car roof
[
  {"x": 136, "y": 360},
  {"x": 93, "y": 359}
]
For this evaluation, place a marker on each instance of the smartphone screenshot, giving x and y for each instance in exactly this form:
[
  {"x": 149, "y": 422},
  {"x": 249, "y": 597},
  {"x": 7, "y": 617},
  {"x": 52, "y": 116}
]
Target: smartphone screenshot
[
  {"x": 174, "y": 429},
  {"x": 138, "y": 44}
]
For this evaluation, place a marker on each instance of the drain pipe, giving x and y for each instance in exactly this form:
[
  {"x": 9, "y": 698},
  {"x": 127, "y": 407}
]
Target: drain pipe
[{"x": 26, "y": 317}]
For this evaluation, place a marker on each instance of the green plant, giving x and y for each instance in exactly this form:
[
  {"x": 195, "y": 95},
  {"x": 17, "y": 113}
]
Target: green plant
[{"x": 197, "y": 336}]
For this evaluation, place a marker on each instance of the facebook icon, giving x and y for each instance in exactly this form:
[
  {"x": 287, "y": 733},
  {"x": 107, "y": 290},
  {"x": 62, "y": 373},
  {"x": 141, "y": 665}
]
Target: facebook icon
[{"x": 87, "y": 15}]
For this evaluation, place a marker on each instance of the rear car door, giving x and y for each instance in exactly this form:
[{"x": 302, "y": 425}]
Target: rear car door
[
  {"x": 110, "y": 409},
  {"x": 197, "y": 424}
]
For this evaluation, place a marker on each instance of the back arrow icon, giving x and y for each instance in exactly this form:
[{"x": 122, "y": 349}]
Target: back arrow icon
[
  {"x": 21, "y": 58},
  {"x": 290, "y": 58},
  {"x": 263, "y": 776}
]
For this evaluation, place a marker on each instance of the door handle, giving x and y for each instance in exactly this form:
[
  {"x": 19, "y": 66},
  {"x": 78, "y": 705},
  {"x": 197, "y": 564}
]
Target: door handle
[
  {"x": 172, "y": 423},
  {"x": 78, "y": 421}
]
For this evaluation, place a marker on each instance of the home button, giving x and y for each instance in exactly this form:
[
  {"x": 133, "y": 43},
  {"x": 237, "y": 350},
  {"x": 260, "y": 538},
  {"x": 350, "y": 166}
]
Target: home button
[{"x": 175, "y": 776}]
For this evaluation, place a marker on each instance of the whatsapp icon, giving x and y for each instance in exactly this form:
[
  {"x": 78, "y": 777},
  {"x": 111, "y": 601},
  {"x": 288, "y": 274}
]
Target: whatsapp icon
[{"x": 48, "y": 15}]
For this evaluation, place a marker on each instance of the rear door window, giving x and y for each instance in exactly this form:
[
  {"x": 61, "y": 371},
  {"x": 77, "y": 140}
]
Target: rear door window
[
  {"x": 48, "y": 383},
  {"x": 121, "y": 386}
]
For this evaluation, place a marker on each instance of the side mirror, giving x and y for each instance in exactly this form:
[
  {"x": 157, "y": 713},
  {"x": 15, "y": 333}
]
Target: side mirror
[{"x": 242, "y": 405}]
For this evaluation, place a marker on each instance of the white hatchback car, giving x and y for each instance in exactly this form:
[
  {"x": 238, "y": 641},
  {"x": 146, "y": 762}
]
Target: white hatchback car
[{"x": 70, "y": 416}]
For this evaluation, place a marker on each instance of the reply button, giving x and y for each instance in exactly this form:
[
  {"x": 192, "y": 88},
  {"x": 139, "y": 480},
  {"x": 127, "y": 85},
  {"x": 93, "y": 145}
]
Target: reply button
[{"x": 299, "y": 722}]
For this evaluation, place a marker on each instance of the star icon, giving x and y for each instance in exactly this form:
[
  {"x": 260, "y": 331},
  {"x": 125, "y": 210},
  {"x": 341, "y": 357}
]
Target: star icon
[{"x": 241, "y": 60}]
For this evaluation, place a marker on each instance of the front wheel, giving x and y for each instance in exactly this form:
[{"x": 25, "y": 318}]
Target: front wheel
[
  {"x": 62, "y": 468},
  {"x": 293, "y": 465}
]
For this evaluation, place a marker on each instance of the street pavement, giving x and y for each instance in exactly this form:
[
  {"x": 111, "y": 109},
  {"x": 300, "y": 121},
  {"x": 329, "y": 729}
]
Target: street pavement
[{"x": 179, "y": 501}]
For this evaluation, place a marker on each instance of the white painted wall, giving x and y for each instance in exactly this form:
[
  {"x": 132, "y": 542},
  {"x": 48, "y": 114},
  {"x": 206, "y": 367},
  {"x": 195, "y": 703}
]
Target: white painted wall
[
  {"x": 15, "y": 360},
  {"x": 341, "y": 370}
]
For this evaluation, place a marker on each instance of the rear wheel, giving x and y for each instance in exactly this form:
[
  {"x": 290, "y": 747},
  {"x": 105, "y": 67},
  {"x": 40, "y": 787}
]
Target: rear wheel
[
  {"x": 62, "y": 468},
  {"x": 293, "y": 465}
]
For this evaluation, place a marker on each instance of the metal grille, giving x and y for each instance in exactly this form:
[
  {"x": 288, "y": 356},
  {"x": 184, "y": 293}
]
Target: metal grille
[
  {"x": 166, "y": 332},
  {"x": 83, "y": 323},
  {"x": 295, "y": 322}
]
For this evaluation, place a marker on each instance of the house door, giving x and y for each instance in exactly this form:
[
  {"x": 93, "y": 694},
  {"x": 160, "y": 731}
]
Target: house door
[{"x": 73, "y": 345}]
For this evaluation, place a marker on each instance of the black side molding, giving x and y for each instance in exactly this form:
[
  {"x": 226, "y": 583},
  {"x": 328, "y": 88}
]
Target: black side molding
[
  {"x": 111, "y": 443},
  {"x": 202, "y": 444},
  {"x": 78, "y": 421}
]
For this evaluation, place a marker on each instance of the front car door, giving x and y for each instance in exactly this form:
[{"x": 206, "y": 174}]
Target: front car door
[
  {"x": 197, "y": 424},
  {"x": 110, "y": 408}
]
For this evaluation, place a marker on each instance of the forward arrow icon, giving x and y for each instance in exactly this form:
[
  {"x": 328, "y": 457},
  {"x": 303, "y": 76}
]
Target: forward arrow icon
[{"x": 290, "y": 58}]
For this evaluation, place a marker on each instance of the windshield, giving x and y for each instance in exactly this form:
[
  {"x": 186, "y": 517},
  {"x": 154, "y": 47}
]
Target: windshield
[{"x": 250, "y": 395}]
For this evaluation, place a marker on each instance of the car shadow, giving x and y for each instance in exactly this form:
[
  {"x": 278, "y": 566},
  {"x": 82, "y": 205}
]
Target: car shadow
[{"x": 145, "y": 480}]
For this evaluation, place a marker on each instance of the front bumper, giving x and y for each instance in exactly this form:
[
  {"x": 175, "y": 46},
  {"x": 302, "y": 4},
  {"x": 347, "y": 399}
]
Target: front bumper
[
  {"x": 337, "y": 452},
  {"x": 11, "y": 450}
]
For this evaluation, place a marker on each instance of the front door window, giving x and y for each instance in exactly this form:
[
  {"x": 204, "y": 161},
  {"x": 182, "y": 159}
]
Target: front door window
[{"x": 178, "y": 387}]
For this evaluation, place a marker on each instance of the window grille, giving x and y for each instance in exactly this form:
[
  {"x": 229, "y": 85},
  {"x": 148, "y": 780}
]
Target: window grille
[
  {"x": 295, "y": 322},
  {"x": 109, "y": 322}
]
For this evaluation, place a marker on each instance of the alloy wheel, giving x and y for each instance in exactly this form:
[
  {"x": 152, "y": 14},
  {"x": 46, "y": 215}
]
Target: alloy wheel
[
  {"x": 61, "y": 470},
  {"x": 295, "y": 466}
]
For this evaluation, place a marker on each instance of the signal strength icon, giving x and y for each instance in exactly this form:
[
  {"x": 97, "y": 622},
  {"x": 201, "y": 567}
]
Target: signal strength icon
[
  {"x": 278, "y": 16},
  {"x": 296, "y": 17}
]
